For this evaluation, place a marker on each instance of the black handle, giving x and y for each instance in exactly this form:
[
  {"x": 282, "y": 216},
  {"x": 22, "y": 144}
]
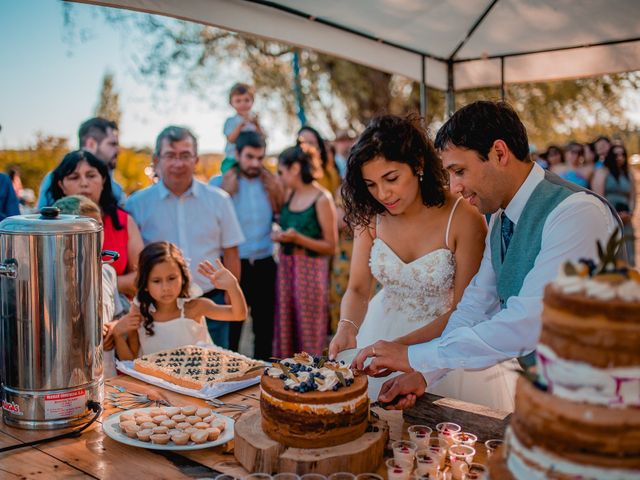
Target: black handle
[
  {"x": 49, "y": 213},
  {"x": 110, "y": 253}
]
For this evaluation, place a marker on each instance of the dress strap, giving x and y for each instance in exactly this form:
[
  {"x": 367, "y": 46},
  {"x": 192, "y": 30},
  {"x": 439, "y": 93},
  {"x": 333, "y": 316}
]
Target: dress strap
[
  {"x": 446, "y": 235},
  {"x": 375, "y": 226},
  {"x": 181, "y": 302}
]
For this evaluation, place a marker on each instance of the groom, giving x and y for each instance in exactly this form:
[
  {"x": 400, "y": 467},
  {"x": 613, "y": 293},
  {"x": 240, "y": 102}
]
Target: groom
[{"x": 538, "y": 222}]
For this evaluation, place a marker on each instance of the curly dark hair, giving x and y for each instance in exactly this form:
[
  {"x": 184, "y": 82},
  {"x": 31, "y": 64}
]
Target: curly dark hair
[
  {"x": 150, "y": 256},
  {"x": 397, "y": 139},
  {"x": 107, "y": 202}
]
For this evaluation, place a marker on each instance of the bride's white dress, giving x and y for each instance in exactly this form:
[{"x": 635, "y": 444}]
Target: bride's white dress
[{"x": 413, "y": 295}]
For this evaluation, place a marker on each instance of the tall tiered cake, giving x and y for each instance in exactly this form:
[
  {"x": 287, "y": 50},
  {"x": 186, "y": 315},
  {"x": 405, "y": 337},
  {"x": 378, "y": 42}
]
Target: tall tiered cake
[{"x": 578, "y": 415}]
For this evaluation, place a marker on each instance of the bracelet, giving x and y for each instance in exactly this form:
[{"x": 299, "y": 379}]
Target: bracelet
[{"x": 346, "y": 320}]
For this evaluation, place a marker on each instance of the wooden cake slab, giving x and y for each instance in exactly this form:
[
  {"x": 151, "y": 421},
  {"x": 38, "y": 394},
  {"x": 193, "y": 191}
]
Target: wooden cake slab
[
  {"x": 485, "y": 422},
  {"x": 259, "y": 453}
]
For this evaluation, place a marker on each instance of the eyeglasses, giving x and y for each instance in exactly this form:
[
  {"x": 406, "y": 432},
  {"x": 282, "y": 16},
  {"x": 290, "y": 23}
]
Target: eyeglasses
[{"x": 183, "y": 157}]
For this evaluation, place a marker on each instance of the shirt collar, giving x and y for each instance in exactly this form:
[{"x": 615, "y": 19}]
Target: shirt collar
[
  {"x": 520, "y": 199},
  {"x": 194, "y": 189}
]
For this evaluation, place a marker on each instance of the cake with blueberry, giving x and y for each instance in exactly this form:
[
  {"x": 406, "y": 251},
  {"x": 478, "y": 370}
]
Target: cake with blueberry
[
  {"x": 196, "y": 367},
  {"x": 309, "y": 402},
  {"x": 578, "y": 414}
]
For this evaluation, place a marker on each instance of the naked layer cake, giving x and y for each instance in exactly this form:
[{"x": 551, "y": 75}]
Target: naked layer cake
[
  {"x": 309, "y": 403},
  {"x": 578, "y": 416},
  {"x": 196, "y": 367}
]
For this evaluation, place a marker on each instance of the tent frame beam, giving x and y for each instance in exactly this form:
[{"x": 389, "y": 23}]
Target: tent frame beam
[
  {"x": 358, "y": 33},
  {"x": 472, "y": 30}
]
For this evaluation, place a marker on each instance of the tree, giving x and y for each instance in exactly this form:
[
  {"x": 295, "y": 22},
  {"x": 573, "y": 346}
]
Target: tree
[
  {"x": 340, "y": 93},
  {"x": 36, "y": 160},
  {"x": 109, "y": 101}
]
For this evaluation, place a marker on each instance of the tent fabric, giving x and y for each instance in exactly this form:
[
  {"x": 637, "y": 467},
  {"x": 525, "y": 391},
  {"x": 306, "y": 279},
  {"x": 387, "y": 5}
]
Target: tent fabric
[{"x": 485, "y": 41}]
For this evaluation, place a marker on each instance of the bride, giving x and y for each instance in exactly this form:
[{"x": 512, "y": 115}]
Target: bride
[{"x": 421, "y": 243}]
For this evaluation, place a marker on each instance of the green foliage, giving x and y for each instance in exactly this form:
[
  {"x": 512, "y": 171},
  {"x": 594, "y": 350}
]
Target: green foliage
[
  {"x": 346, "y": 95},
  {"x": 35, "y": 161}
]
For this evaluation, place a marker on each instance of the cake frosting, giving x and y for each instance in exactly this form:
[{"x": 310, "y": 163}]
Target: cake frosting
[
  {"x": 577, "y": 413},
  {"x": 310, "y": 402}
]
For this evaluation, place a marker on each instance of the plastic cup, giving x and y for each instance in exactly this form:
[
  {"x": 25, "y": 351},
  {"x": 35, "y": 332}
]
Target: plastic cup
[
  {"x": 427, "y": 464},
  {"x": 477, "y": 471},
  {"x": 403, "y": 450},
  {"x": 438, "y": 449},
  {"x": 492, "y": 445},
  {"x": 258, "y": 476},
  {"x": 341, "y": 476},
  {"x": 464, "y": 438},
  {"x": 368, "y": 476},
  {"x": 286, "y": 476},
  {"x": 460, "y": 457},
  {"x": 313, "y": 476},
  {"x": 225, "y": 476},
  {"x": 398, "y": 469},
  {"x": 446, "y": 431},
  {"x": 420, "y": 435}
]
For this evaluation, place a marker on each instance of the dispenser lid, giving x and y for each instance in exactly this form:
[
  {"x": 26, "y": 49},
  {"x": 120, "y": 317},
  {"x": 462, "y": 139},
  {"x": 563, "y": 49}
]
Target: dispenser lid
[{"x": 48, "y": 222}]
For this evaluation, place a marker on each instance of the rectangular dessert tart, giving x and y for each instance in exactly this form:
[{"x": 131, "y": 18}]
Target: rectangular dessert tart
[{"x": 196, "y": 367}]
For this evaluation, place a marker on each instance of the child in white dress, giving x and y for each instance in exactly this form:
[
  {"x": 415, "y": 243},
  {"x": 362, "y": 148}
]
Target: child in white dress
[{"x": 164, "y": 317}]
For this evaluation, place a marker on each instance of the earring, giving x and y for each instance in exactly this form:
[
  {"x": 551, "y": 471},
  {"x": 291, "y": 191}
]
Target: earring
[{"x": 420, "y": 177}]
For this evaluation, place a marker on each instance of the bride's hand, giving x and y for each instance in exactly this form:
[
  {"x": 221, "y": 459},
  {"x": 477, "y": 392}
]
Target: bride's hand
[
  {"x": 387, "y": 357},
  {"x": 344, "y": 339}
]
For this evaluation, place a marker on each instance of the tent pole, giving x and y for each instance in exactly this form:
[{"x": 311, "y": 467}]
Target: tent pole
[
  {"x": 451, "y": 94},
  {"x": 502, "y": 91},
  {"x": 297, "y": 88},
  {"x": 423, "y": 90}
]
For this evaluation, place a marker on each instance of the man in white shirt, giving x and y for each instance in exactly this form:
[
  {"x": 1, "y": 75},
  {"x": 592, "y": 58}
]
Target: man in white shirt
[
  {"x": 538, "y": 222},
  {"x": 198, "y": 218}
]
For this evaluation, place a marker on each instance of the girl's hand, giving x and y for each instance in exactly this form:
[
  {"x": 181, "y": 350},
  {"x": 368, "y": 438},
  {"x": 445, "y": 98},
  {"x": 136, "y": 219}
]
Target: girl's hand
[
  {"x": 344, "y": 339},
  {"x": 219, "y": 276},
  {"x": 288, "y": 236},
  {"x": 129, "y": 323},
  {"x": 108, "y": 342}
]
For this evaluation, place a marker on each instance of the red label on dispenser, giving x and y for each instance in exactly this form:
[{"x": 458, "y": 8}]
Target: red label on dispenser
[
  {"x": 64, "y": 405},
  {"x": 11, "y": 407}
]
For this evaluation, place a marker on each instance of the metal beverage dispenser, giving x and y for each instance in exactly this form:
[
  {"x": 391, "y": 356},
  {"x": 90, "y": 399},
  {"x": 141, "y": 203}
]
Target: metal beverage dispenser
[{"x": 50, "y": 319}]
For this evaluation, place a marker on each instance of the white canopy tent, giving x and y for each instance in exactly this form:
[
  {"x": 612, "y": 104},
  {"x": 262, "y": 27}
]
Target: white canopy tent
[{"x": 446, "y": 44}]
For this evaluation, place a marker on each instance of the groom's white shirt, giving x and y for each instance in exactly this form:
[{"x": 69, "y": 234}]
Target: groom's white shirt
[{"x": 479, "y": 334}]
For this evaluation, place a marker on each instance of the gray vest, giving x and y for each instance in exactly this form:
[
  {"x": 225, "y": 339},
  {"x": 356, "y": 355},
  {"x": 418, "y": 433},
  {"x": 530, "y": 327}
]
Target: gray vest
[{"x": 526, "y": 240}]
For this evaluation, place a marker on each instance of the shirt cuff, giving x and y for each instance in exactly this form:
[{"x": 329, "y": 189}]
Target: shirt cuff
[{"x": 424, "y": 356}]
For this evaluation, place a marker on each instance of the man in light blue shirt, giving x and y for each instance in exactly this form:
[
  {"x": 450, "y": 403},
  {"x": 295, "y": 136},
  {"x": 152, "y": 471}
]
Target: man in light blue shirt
[
  {"x": 256, "y": 196},
  {"x": 100, "y": 137},
  {"x": 198, "y": 218}
]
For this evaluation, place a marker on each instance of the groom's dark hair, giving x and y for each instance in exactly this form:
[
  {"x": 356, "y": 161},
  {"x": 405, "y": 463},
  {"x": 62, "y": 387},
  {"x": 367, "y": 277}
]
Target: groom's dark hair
[{"x": 478, "y": 125}]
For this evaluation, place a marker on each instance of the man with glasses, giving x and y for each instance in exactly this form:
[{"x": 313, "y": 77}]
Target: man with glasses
[{"x": 198, "y": 218}]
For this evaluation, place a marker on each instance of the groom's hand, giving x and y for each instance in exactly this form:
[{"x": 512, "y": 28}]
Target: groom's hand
[
  {"x": 402, "y": 391},
  {"x": 387, "y": 357}
]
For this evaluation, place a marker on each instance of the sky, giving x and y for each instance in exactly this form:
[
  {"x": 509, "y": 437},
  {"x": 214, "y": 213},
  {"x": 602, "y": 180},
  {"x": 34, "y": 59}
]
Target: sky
[{"x": 51, "y": 85}]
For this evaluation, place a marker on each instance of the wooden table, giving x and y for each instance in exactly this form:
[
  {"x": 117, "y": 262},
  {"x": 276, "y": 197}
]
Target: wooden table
[{"x": 94, "y": 455}]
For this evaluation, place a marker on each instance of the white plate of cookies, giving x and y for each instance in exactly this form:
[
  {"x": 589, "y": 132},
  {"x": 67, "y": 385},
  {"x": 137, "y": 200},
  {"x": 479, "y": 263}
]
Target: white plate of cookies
[{"x": 170, "y": 428}]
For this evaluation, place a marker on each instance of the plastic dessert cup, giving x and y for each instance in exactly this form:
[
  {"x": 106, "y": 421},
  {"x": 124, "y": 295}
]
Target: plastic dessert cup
[
  {"x": 420, "y": 435},
  {"x": 404, "y": 450},
  {"x": 460, "y": 457},
  {"x": 398, "y": 469},
  {"x": 464, "y": 438},
  {"x": 427, "y": 464},
  {"x": 446, "y": 431},
  {"x": 492, "y": 445}
]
